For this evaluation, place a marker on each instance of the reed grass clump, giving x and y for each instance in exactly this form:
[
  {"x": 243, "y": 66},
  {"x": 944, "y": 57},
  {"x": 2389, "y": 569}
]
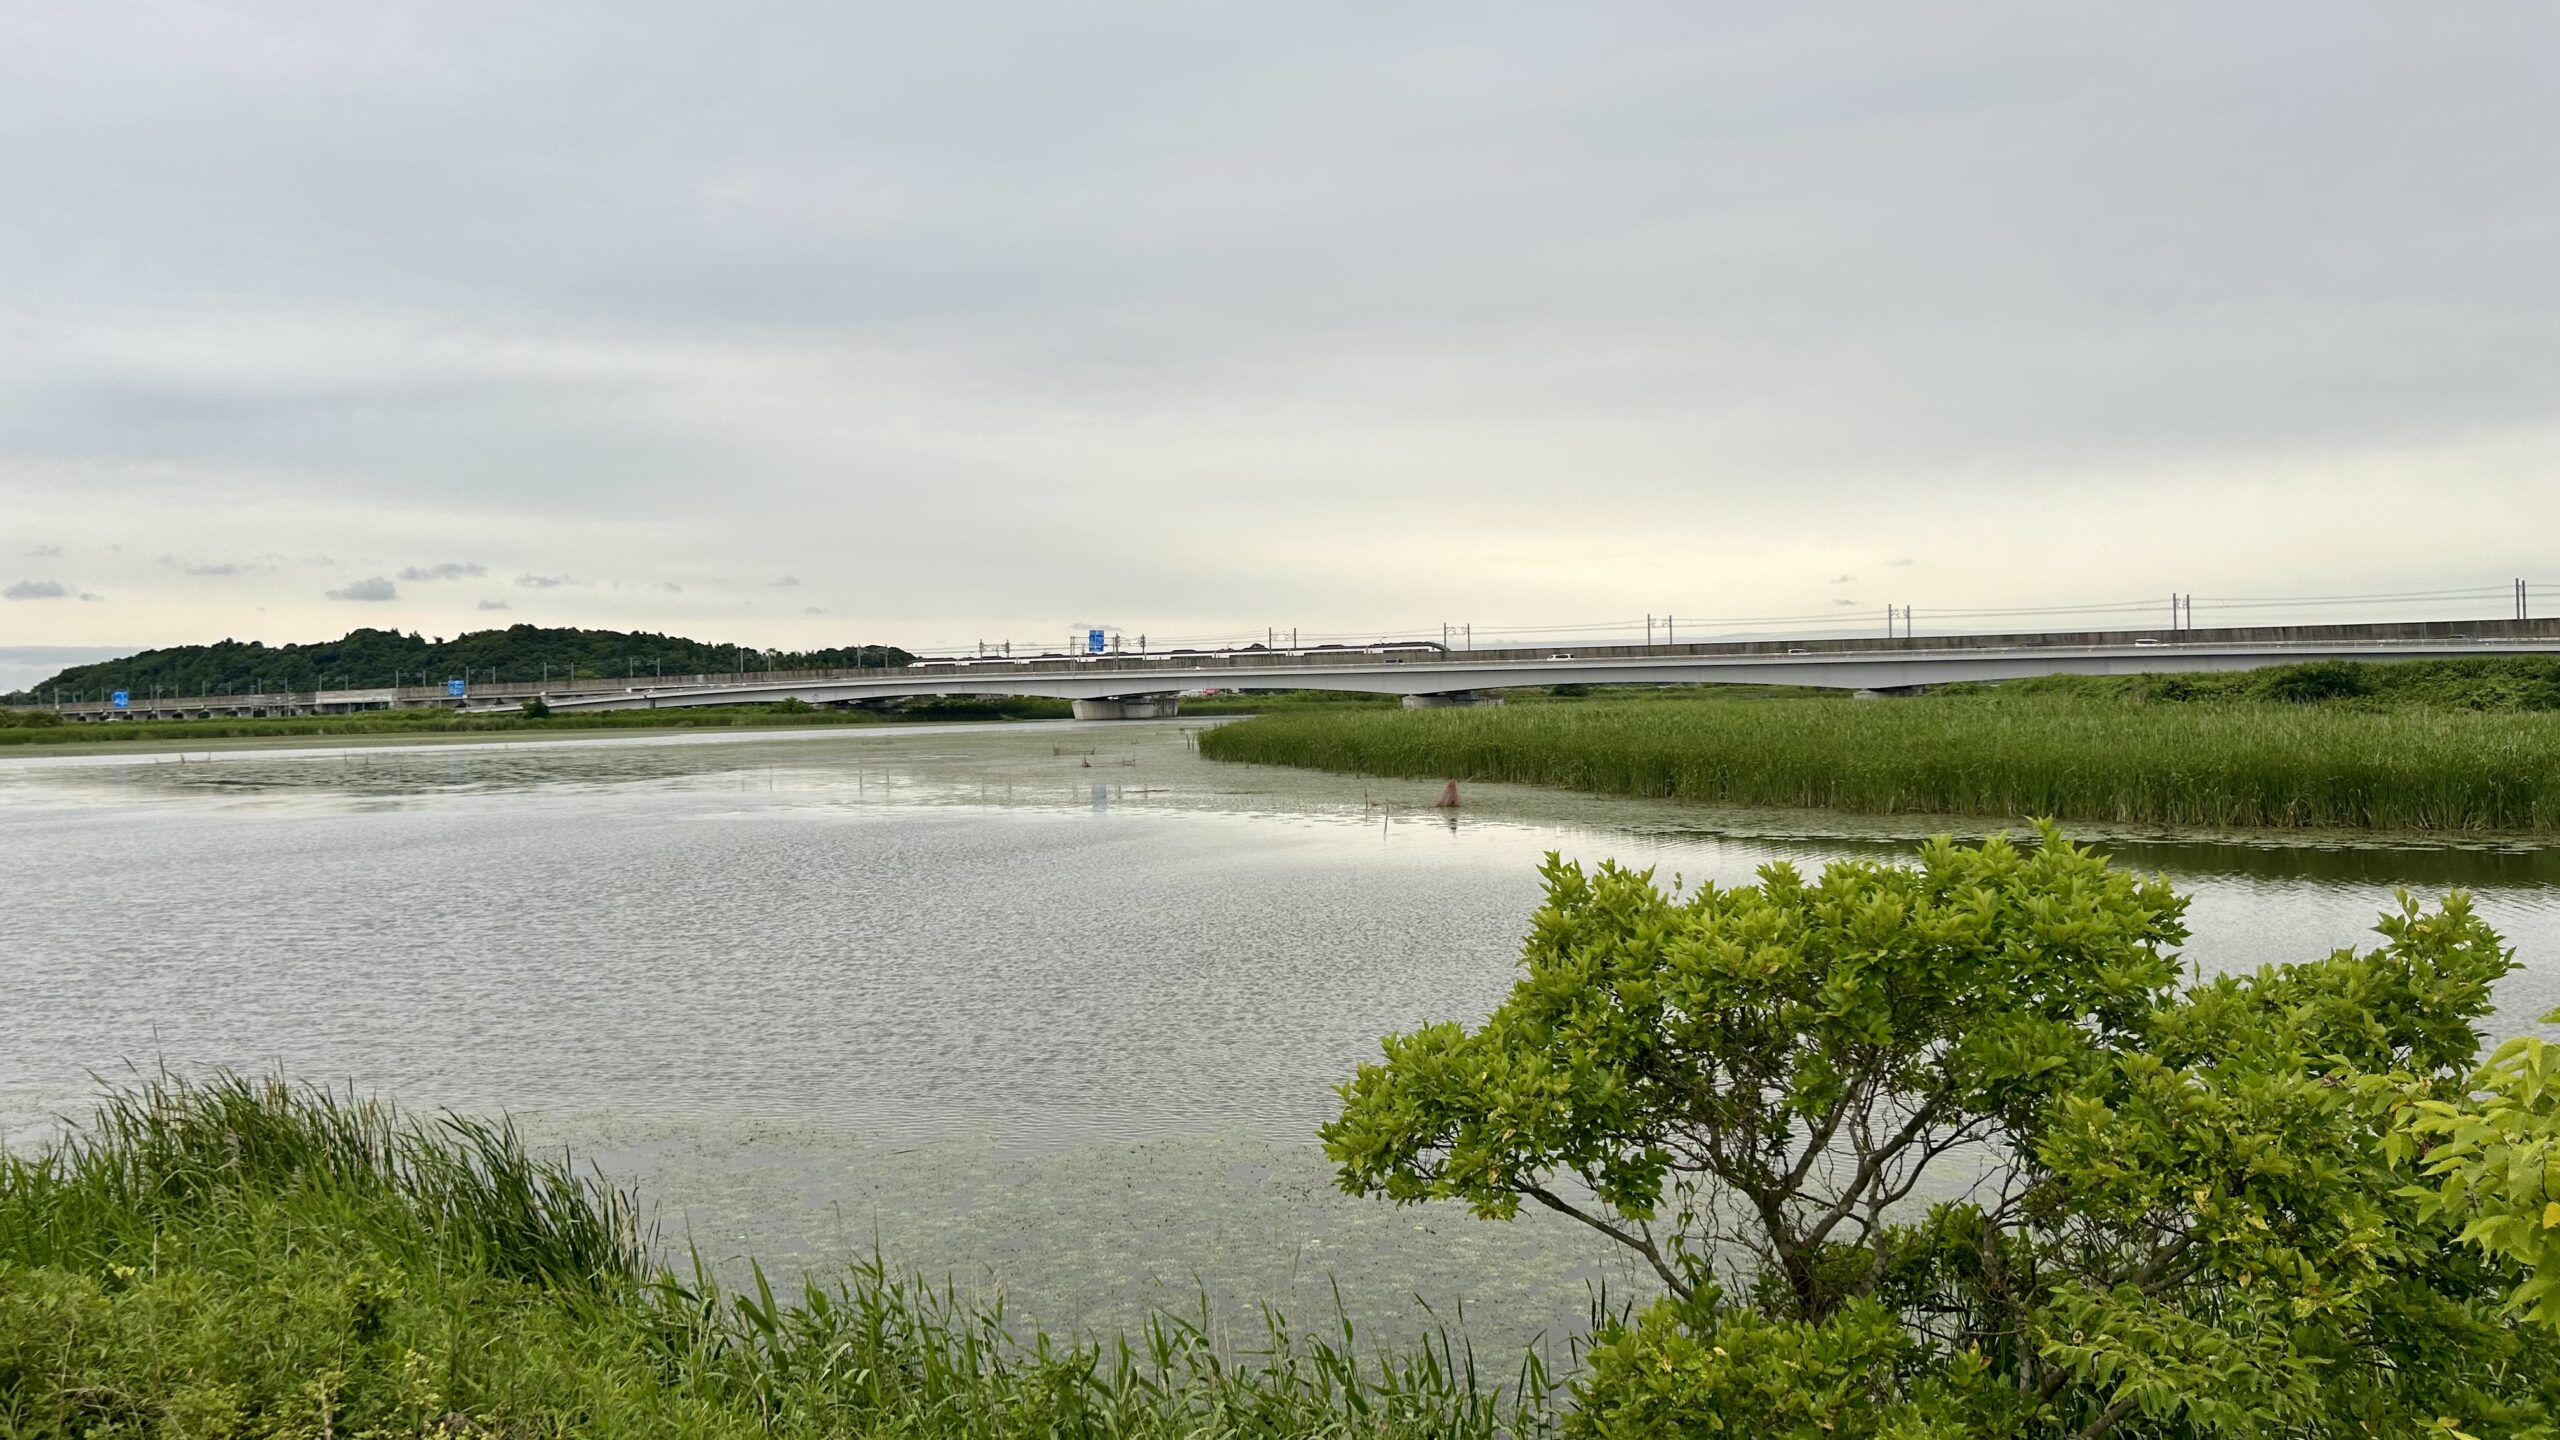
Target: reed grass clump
[
  {"x": 2227, "y": 765},
  {"x": 244, "y": 1257}
]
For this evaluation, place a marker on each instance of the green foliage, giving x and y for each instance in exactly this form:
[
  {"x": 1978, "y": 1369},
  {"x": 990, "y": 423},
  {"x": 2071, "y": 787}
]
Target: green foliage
[
  {"x": 1950, "y": 1149},
  {"x": 2493, "y": 1162},
  {"x": 2287, "y": 766},
  {"x": 2316, "y": 681},
  {"x": 245, "y": 1259},
  {"x": 1263, "y": 702},
  {"x": 2505, "y": 683},
  {"x": 365, "y": 659},
  {"x": 439, "y": 721},
  {"x": 536, "y": 708},
  {"x": 984, "y": 707}
]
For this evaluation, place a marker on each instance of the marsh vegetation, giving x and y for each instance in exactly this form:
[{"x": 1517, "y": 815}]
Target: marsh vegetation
[{"x": 2426, "y": 747}]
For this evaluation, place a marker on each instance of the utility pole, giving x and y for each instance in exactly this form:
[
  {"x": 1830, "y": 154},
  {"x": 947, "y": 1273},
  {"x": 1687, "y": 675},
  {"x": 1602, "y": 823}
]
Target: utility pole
[
  {"x": 2523, "y": 608},
  {"x": 1648, "y": 632},
  {"x": 1669, "y": 635}
]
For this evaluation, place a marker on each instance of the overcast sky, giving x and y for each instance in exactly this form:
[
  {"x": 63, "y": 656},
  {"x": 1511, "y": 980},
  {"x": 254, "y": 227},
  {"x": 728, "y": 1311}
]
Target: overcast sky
[{"x": 803, "y": 324}]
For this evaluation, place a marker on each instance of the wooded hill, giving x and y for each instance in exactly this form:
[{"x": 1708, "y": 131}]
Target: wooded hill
[{"x": 368, "y": 658}]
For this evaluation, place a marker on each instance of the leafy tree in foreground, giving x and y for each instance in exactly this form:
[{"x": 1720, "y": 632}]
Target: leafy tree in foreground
[
  {"x": 2492, "y": 1158},
  {"x": 1959, "y": 1149}
]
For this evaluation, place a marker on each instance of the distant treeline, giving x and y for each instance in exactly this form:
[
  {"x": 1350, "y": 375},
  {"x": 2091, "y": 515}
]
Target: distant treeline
[{"x": 366, "y": 659}]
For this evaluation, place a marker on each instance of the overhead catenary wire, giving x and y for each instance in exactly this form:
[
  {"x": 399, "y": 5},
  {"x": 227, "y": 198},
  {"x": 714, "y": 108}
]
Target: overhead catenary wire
[{"x": 2196, "y": 611}]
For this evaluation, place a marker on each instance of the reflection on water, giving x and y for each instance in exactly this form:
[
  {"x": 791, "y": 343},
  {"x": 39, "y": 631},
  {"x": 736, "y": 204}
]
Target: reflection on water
[{"x": 1059, "y": 1005}]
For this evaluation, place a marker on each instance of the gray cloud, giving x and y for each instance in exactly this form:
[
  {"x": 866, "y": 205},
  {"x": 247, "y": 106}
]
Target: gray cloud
[
  {"x": 372, "y": 589},
  {"x": 547, "y": 582},
  {"x": 215, "y": 569},
  {"x": 449, "y": 570},
  {"x": 784, "y": 582},
  {"x": 92, "y": 598},
  {"x": 1843, "y": 579},
  {"x": 494, "y": 603},
  {"x": 22, "y": 665},
  {"x": 45, "y": 552},
  {"x": 35, "y": 590},
  {"x": 973, "y": 291}
]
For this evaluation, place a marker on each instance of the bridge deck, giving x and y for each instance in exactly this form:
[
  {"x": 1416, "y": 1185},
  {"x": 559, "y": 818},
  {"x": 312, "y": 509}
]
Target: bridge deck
[{"x": 1415, "y": 668}]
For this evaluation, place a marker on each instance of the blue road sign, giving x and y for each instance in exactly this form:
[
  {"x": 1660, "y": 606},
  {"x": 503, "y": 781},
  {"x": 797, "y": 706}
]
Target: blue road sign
[
  {"x": 457, "y": 688},
  {"x": 123, "y": 699},
  {"x": 1093, "y": 642}
]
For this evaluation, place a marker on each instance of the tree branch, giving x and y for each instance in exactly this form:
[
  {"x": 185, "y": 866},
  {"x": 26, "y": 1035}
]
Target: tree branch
[
  {"x": 1870, "y": 1164},
  {"x": 1641, "y": 1244},
  {"x": 2108, "y": 1417}
]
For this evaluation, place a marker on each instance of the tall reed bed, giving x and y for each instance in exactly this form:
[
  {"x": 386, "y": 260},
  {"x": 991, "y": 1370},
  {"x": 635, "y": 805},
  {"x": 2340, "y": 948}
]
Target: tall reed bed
[
  {"x": 246, "y": 1258},
  {"x": 2287, "y": 766}
]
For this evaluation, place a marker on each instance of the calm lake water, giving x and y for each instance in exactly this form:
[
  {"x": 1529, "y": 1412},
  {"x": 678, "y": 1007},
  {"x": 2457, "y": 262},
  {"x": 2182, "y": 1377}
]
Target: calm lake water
[{"x": 1054, "y": 1008}]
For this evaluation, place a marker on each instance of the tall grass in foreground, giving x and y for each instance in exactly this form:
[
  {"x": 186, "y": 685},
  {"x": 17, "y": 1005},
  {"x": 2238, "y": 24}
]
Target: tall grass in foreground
[
  {"x": 246, "y": 1258},
  {"x": 2290, "y": 766}
]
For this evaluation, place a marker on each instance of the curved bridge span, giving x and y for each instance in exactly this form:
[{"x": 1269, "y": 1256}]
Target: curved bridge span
[{"x": 1135, "y": 687}]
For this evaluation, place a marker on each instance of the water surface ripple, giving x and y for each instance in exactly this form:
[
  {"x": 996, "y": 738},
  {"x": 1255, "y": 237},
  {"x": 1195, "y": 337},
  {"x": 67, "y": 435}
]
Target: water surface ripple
[{"x": 1056, "y": 1004}]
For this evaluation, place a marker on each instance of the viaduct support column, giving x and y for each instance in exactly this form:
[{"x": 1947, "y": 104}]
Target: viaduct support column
[{"x": 1130, "y": 707}]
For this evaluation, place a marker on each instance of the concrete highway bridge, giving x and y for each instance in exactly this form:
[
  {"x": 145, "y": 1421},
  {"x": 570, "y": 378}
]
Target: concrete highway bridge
[{"x": 1129, "y": 686}]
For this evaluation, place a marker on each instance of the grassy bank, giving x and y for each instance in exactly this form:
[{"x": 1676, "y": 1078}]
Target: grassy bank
[
  {"x": 239, "y": 1258},
  {"x": 1265, "y": 702},
  {"x": 2511, "y": 683},
  {"x": 2073, "y": 757},
  {"x": 23, "y": 728}
]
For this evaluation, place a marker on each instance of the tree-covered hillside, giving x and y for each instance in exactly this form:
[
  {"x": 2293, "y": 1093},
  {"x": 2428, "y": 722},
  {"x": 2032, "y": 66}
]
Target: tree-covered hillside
[{"x": 367, "y": 658}]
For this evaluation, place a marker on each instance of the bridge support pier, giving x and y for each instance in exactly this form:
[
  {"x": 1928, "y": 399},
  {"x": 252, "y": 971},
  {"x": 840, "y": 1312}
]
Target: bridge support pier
[
  {"x": 1450, "y": 698},
  {"x": 1130, "y": 707}
]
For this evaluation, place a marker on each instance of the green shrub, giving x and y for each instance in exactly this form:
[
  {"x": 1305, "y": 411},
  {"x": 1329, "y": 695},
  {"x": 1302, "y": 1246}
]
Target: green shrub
[
  {"x": 1959, "y": 1149},
  {"x": 2314, "y": 682}
]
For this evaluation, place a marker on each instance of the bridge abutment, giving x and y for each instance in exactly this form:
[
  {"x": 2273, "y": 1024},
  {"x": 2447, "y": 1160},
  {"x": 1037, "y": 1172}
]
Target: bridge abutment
[{"x": 1130, "y": 707}]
